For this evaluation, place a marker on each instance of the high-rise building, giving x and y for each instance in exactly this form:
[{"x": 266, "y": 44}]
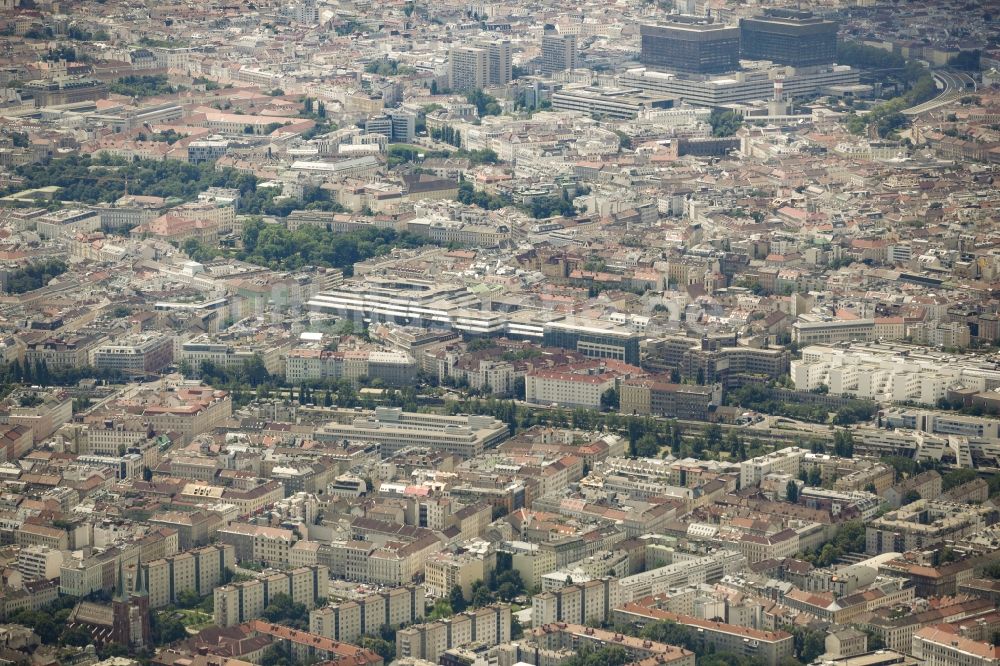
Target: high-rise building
[
  {"x": 558, "y": 52},
  {"x": 473, "y": 67},
  {"x": 789, "y": 37},
  {"x": 501, "y": 68},
  {"x": 468, "y": 68},
  {"x": 689, "y": 44}
]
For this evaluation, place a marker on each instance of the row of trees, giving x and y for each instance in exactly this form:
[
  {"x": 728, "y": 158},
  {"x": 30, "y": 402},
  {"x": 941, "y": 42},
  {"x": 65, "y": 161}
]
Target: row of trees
[{"x": 40, "y": 373}]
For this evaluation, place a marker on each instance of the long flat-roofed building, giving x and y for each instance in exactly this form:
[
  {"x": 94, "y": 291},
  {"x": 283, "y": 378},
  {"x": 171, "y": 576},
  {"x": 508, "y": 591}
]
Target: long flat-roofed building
[
  {"x": 740, "y": 87},
  {"x": 619, "y": 103},
  {"x": 411, "y": 302},
  {"x": 393, "y": 429}
]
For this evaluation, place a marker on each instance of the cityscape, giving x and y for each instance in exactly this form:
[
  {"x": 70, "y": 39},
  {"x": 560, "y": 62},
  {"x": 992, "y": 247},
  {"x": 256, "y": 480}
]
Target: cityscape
[{"x": 471, "y": 333}]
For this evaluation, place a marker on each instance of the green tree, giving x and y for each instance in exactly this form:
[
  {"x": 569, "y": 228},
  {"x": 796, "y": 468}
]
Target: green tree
[
  {"x": 380, "y": 646},
  {"x": 792, "y": 492},
  {"x": 456, "y": 599},
  {"x": 957, "y": 478},
  {"x": 647, "y": 446},
  {"x": 609, "y": 400},
  {"x": 441, "y": 609},
  {"x": 843, "y": 443},
  {"x": 724, "y": 123}
]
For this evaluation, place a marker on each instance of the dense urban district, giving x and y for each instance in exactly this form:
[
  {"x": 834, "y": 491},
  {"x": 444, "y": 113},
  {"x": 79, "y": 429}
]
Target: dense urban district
[{"x": 471, "y": 333}]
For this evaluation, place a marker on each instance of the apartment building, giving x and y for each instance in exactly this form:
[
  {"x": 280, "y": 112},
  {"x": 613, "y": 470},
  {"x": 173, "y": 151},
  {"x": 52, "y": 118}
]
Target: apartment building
[
  {"x": 246, "y": 500},
  {"x": 446, "y": 569},
  {"x": 304, "y": 647},
  {"x": 259, "y": 543},
  {"x": 200, "y": 571},
  {"x": 83, "y": 576},
  {"x": 488, "y": 626},
  {"x": 392, "y": 368},
  {"x": 924, "y": 524},
  {"x": 785, "y": 461},
  {"x": 660, "y": 397},
  {"x": 31, "y": 534},
  {"x": 348, "y": 620},
  {"x": 240, "y": 602},
  {"x": 67, "y": 351},
  {"x": 769, "y": 646},
  {"x": 575, "y": 385},
  {"x": 552, "y": 643},
  {"x": 580, "y": 603},
  {"x": 942, "y": 645}
]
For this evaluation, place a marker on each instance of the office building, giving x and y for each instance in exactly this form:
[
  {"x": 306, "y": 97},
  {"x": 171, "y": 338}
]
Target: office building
[
  {"x": 892, "y": 373},
  {"x": 558, "y": 53},
  {"x": 396, "y": 125},
  {"x": 837, "y": 330},
  {"x": 69, "y": 90},
  {"x": 686, "y": 570},
  {"x": 688, "y": 44},
  {"x": 67, "y": 223},
  {"x": 595, "y": 338},
  {"x": 789, "y": 37},
  {"x": 39, "y": 562},
  {"x": 136, "y": 356}
]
